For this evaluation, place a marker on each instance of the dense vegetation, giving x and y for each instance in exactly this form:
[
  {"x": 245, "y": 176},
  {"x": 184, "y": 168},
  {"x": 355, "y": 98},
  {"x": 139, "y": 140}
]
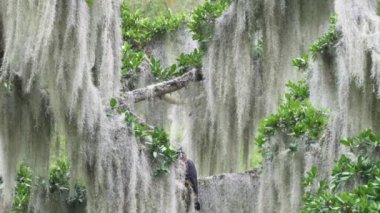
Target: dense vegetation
[
  {"x": 137, "y": 32},
  {"x": 354, "y": 184}
]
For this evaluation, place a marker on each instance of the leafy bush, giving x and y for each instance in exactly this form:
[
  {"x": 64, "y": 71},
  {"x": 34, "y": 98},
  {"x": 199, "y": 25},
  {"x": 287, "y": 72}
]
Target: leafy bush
[
  {"x": 131, "y": 59},
  {"x": 203, "y": 18},
  {"x": 137, "y": 30},
  {"x": 354, "y": 185},
  {"x": 22, "y": 191},
  {"x": 59, "y": 177},
  {"x": 162, "y": 153},
  {"x": 327, "y": 40},
  {"x": 301, "y": 62},
  {"x": 187, "y": 61},
  {"x": 295, "y": 117},
  {"x": 366, "y": 139},
  {"x": 163, "y": 73}
]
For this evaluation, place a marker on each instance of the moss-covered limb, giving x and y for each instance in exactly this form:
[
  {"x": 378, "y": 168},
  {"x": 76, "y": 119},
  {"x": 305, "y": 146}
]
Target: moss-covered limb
[
  {"x": 162, "y": 88},
  {"x": 295, "y": 117},
  {"x": 161, "y": 151},
  {"x": 354, "y": 185}
]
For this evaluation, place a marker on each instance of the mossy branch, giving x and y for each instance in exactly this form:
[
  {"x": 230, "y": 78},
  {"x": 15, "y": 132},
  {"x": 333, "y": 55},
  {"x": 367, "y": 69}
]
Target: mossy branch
[{"x": 162, "y": 88}]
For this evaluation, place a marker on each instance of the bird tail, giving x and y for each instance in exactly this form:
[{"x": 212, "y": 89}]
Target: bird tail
[{"x": 197, "y": 205}]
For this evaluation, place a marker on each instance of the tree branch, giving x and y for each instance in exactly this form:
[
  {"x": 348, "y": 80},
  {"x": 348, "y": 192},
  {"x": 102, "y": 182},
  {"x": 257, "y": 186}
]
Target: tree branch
[{"x": 162, "y": 88}]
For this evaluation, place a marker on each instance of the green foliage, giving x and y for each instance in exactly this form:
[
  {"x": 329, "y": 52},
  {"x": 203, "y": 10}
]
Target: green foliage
[
  {"x": 185, "y": 62},
  {"x": 113, "y": 103},
  {"x": 326, "y": 40},
  {"x": 354, "y": 185},
  {"x": 163, "y": 73},
  {"x": 367, "y": 139},
  {"x": 153, "y": 8},
  {"x": 90, "y": 2},
  {"x": 310, "y": 176},
  {"x": 137, "y": 30},
  {"x": 295, "y": 117},
  {"x": 162, "y": 153},
  {"x": 22, "y": 190},
  {"x": 301, "y": 62},
  {"x": 203, "y": 18},
  {"x": 59, "y": 177},
  {"x": 131, "y": 59}
]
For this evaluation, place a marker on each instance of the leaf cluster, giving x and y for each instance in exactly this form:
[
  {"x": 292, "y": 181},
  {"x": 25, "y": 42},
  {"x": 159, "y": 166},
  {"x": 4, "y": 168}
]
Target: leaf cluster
[
  {"x": 131, "y": 59},
  {"x": 59, "y": 176},
  {"x": 90, "y": 3},
  {"x": 203, "y": 18},
  {"x": 184, "y": 63},
  {"x": 365, "y": 141},
  {"x": 322, "y": 44},
  {"x": 138, "y": 30},
  {"x": 301, "y": 62},
  {"x": 326, "y": 40},
  {"x": 23, "y": 187},
  {"x": 359, "y": 176},
  {"x": 162, "y": 153},
  {"x": 295, "y": 117}
]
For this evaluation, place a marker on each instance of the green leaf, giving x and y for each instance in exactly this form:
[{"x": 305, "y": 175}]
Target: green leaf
[
  {"x": 113, "y": 103},
  {"x": 90, "y": 3}
]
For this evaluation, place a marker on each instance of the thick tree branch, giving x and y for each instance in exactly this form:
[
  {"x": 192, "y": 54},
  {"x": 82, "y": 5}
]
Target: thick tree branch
[{"x": 162, "y": 88}]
